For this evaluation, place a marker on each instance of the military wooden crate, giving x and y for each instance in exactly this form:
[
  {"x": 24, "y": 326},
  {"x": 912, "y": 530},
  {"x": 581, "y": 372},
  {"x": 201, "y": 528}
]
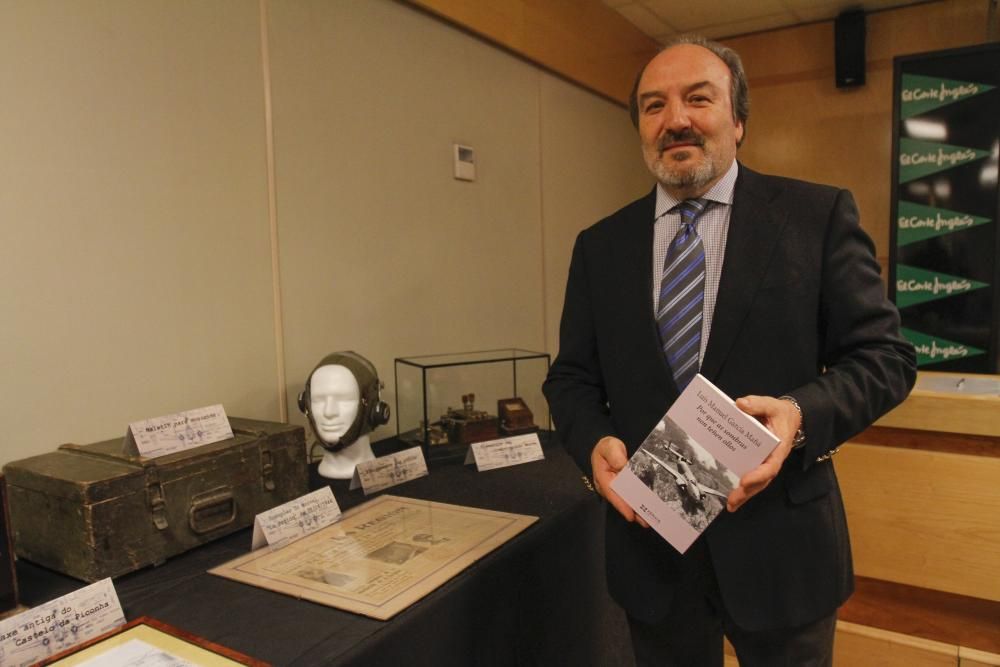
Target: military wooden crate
[{"x": 92, "y": 511}]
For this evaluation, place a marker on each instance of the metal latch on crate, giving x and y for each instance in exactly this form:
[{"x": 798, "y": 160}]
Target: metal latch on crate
[
  {"x": 267, "y": 469},
  {"x": 156, "y": 500}
]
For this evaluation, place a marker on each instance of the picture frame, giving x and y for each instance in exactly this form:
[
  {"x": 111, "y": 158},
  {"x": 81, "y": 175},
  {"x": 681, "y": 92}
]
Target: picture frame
[
  {"x": 381, "y": 557},
  {"x": 146, "y": 636}
]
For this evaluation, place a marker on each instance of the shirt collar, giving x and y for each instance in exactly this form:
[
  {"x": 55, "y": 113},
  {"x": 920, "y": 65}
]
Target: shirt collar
[{"x": 721, "y": 193}]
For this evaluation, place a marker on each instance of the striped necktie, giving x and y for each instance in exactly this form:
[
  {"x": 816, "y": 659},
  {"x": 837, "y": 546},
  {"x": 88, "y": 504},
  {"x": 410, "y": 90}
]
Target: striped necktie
[{"x": 682, "y": 293}]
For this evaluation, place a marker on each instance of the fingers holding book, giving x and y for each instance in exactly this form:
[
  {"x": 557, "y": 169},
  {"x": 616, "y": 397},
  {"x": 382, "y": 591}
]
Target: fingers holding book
[
  {"x": 783, "y": 419},
  {"x": 606, "y": 460}
]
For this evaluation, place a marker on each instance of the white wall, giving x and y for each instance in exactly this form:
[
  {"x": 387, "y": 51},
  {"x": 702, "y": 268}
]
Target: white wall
[
  {"x": 591, "y": 167},
  {"x": 134, "y": 258},
  {"x": 135, "y": 252}
]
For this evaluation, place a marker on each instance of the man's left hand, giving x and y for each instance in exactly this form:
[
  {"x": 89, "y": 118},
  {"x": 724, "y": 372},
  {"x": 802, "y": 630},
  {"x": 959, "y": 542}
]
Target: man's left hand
[{"x": 781, "y": 418}]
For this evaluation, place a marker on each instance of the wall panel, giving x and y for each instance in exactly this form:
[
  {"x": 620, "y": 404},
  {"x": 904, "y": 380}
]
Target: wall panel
[
  {"x": 134, "y": 243},
  {"x": 923, "y": 518},
  {"x": 586, "y": 175},
  {"x": 802, "y": 125},
  {"x": 382, "y": 250}
]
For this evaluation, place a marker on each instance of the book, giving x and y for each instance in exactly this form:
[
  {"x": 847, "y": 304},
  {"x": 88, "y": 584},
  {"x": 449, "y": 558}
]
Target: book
[{"x": 679, "y": 478}]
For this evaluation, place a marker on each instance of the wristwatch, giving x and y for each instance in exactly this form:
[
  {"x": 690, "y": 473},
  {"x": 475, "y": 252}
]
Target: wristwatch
[{"x": 800, "y": 435}]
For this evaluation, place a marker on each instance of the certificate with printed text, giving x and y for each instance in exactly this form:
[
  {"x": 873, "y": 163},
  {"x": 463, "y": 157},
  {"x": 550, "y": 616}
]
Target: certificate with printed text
[{"x": 381, "y": 557}]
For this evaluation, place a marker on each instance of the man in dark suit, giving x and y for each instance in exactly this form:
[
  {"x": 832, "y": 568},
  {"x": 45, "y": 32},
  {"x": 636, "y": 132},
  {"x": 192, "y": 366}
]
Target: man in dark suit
[{"x": 790, "y": 316}]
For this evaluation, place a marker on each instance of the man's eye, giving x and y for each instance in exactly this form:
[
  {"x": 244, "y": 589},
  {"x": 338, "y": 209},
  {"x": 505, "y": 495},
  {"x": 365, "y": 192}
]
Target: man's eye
[{"x": 654, "y": 106}]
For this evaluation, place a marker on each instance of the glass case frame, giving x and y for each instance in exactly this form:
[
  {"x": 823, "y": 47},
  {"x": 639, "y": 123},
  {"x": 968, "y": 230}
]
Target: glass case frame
[{"x": 416, "y": 412}]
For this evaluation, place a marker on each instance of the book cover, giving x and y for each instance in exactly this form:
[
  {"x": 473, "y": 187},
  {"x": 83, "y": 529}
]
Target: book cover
[{"x": 679, "y": 478}]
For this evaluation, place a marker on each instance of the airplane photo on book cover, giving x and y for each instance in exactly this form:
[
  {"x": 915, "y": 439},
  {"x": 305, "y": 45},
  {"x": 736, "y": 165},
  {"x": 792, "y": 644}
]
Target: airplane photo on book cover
[
  {"x": 679, "y": 478},
  {"x": 686, "y": 477}
]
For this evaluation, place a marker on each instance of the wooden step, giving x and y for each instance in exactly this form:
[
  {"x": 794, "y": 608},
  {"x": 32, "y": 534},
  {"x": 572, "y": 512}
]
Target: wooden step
[{"x": 920, "y": 612}]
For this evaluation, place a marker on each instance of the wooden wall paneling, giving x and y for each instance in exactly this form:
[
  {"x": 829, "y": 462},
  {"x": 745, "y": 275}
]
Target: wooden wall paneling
[
  {"x": 857, "y": 644},
  {"x": 582, "y": 40},
  {"x": 871, "y": 647},
  {"x": 959, "y": 620},
  {"x": 802, "y": 125},
  {"x": 924, "y": 518},
  {"x": 951, "y": 413},
  {"x": 968, "y": 657},
  {"x": 935, "y": 441}
]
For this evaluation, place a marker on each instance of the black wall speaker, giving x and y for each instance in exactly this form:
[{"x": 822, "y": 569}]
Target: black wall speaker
[{"x": 849, "y": 42}]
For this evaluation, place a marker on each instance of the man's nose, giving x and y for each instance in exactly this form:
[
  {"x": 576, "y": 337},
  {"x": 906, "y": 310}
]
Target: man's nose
[
  {"x": 331, "y": 408},
  {"x": 677, "y": 118}
]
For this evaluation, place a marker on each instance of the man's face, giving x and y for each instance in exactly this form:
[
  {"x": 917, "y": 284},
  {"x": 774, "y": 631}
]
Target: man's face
[
  {"x": 686, "y": 123},
  {"x": 334, "y": 397}
]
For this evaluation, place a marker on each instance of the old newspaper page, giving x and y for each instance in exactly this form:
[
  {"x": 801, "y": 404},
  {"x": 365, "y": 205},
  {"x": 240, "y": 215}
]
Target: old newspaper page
[{"x": 381, "y": 557}]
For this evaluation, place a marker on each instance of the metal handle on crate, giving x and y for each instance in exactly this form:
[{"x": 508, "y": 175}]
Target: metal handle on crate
[{"x": 204, "y": 515}]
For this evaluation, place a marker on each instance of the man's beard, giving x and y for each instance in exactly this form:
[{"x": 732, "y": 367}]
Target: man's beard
[{"x": 695, "y": 177}]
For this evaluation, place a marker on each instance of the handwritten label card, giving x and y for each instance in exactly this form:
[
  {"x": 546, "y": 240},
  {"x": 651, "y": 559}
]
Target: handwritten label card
[
  {"x": 60, "y": 624},
  {"x": 505, "y": 452},
  {"x": 285, "y": 523},
  {"x": 180, "y": 431},
  {"x": 391, "y": 470}
]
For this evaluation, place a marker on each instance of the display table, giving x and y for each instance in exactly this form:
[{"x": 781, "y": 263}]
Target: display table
[{"x": 539, "y": 599}]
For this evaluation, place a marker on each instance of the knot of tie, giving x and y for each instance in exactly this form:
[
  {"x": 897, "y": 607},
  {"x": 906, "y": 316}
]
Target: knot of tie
[{"x": 690, "y": 210}]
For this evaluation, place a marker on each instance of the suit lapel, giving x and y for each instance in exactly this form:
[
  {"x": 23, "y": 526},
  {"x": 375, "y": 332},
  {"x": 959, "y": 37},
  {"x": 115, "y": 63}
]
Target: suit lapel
[
  {"x": 754, "y": 229},
  {"x": 635, "y": 267},
  {"x": 636, "y": 251}
]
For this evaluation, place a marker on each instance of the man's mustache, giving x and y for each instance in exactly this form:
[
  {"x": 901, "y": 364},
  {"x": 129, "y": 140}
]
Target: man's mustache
[{"x": 670, "y": 138}]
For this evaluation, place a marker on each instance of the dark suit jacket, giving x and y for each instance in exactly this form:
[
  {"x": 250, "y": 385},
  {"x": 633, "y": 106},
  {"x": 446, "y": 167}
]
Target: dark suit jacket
[{"x": 800, "y": 311}]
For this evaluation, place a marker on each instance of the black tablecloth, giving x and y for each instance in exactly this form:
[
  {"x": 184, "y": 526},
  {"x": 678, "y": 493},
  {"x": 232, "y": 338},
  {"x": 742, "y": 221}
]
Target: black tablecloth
[{"x": 538, "y": 600}]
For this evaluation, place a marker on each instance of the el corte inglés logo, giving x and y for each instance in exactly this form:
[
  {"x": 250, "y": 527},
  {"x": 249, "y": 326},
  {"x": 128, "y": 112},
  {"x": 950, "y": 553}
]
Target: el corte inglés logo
[
  {"x": 915, "y": 285},
  {"x": 921, "y": 158},
  {"x": 916, "y": 222},
  {"x": 920, "y": 94},
  {"x": 933, "y": 349}
]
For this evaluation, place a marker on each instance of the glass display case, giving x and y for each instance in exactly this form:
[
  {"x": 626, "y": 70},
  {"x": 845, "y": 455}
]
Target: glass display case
[{"x": 445, "y": 402}]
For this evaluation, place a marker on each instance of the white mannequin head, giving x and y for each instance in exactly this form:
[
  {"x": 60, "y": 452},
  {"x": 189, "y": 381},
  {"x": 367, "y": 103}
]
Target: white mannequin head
[
  {"x": 342, "y": 402},
  {"x": 334, "y": 397}
]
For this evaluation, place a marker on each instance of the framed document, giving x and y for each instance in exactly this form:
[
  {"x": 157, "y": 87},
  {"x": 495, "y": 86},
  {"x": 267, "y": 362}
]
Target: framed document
[
  {"x": 146, "y": 641},
  {"x": 381, "y": 557},
  {"x": 8, "y": 575}
]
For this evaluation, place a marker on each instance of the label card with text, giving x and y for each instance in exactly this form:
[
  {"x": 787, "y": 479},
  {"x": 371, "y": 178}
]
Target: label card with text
[
  {"x": 60, "y": 624},
  {"x": 504, "y": 452},
  {"x": 390, "y": 470},
  {"x": 285, "y": 523},
  {"x": 180, "y": 431}
]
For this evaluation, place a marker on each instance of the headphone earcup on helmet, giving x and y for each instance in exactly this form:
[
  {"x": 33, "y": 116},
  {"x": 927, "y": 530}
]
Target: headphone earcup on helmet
[
  {"x": 380, "y": 414},
  {"x": 303, "y": 402}
]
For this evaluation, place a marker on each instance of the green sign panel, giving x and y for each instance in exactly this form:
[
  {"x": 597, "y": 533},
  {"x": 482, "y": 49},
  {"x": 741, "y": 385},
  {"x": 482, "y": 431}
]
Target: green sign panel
[
  {"x": 923, "y": 93},
  {"x": 920, "y": 158},
  {"x": 934, "y": 350},
  {"x": 945, "y": 224},
  {"x": 917, "y": 222},
  {"x": 915, "y": 285}
]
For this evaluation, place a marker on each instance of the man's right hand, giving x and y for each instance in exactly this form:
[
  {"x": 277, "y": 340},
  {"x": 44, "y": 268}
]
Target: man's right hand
[{"x": 606, "y": 460}]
